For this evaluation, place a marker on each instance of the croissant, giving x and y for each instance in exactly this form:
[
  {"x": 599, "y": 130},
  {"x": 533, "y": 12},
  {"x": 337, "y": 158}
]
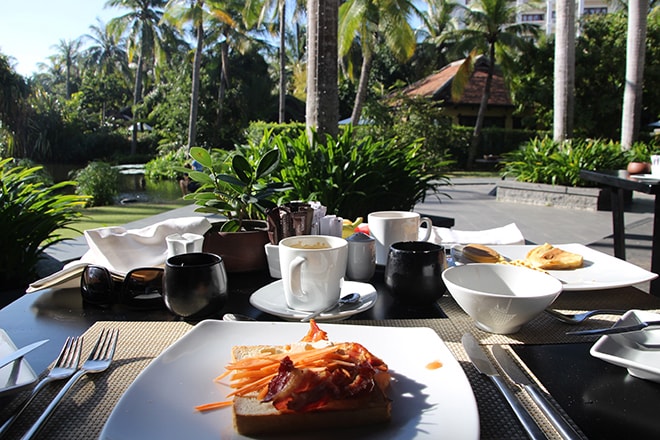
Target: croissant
[{"x": 548, "y": 257}]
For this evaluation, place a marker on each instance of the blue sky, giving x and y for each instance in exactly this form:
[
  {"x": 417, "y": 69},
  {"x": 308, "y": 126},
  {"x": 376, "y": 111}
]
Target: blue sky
[{"x": 29, "y": 28}]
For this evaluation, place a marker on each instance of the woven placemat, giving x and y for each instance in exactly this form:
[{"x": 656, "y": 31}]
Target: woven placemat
[
  {"x": 85, "y": 409},
  {"x": 495, "y": 416}
]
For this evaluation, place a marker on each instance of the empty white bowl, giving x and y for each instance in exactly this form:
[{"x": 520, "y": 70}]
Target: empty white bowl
[{"x": 499, "y": 297}]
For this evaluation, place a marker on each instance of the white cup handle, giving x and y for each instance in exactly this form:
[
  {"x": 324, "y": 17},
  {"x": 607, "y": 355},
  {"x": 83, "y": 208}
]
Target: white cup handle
[
  {"x": 295, "y": 276},
  {"x": 429, "y": 227}
]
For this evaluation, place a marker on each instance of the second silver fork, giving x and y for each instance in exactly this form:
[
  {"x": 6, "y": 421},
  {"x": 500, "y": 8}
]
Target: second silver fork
[
  {"x": 65, "y": 365},
  {"x": 99, "y": 360}
]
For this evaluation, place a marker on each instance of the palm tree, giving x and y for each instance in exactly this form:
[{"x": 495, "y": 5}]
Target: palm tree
[
  {"x": 635, "y": 54},
  {"x": 438, "y": 21},
  {"x": 142, "y": 24},
  {"x": 106, "y": 52},
  {"x": 322, "y": 104},
  {"x": 374, "y": 23},
  {"x": 181, "y": 12},
  {"x": 67, "y": 56},
  {"x": 564, "y": 80},
  {"x": 278, "y": 7},
  {"x": 491, "y": 29}
]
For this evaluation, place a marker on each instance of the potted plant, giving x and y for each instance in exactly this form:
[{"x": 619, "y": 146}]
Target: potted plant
[{"x": 237, "y": 185}]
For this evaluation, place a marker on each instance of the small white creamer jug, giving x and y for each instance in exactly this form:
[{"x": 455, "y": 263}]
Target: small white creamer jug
[{"x": 183, "y": 243}]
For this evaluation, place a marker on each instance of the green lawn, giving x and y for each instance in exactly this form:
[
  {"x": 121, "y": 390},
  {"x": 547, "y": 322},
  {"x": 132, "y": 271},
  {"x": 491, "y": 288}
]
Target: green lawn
[{"x": 102, "y": 216}]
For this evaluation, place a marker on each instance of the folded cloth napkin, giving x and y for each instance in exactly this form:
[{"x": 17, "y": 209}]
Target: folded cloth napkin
[
  {"x": 120, "y": 250},
  {"x": 509, "y": 234}
]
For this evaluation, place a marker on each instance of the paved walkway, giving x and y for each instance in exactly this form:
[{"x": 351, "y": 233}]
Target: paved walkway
[{"x": 473, "y": 205}]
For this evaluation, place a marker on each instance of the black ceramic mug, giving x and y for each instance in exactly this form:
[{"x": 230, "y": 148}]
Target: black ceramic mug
[
  {"x": 413, "y": 271},
  {"x": 195, "y": 284}
]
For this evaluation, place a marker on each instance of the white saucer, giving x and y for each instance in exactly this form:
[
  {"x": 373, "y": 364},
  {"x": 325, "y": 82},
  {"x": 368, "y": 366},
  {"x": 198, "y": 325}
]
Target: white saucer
[
  {"x": 638, "y": 352},
  {"x": 16, "y": 375},
  {"x": 270, "y": 299}
]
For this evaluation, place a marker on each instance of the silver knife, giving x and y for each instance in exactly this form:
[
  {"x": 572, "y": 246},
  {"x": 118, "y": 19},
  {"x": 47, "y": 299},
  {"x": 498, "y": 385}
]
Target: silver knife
[
  {"x": 483, "y": 364},
  {"x": 516, "y": 374},
  {"x": 615, "y": 330},
  {"x": 20, "y": 352}
]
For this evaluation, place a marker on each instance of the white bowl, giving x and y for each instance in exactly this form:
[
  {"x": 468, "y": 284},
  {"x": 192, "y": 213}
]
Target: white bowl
[{"x": 499, "y": 297}]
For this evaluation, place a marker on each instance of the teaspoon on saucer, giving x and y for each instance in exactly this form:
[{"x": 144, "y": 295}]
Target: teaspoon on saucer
[{"x": 351, "y": 298}]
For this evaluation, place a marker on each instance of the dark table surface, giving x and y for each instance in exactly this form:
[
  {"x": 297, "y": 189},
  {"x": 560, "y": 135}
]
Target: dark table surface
[
  {"x": 622, "y": 179},
  {"x": 601, "y": 398}
]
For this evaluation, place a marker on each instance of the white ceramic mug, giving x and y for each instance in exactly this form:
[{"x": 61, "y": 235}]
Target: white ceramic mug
[
  {"x": 655, "y": 165},
  {"x": 313, "y": 269},
  {"x": 389, "y": 227}
]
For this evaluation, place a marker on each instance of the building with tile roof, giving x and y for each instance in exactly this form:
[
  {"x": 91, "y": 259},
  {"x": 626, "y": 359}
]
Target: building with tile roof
[{"x": 437, "y": 87}]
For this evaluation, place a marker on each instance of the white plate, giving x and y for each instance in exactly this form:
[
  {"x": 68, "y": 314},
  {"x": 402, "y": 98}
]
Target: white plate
[
  {"x": 426, "y": 403},
  {"x": 600, "y": 271},
  {"x": 646, "y": 177},
  {"x": 639, "y": 352},
  {"x": 16, "y": 375},
  {"x": 270, "y": 299}
]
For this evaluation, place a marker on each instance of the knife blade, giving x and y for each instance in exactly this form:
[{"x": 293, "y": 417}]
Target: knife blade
[
  {"x": 516, "y": 374},
  {"x": 615, "y": 330},
  {"x": 484, "y": 366},
  {"x": 21, "y": 352}
]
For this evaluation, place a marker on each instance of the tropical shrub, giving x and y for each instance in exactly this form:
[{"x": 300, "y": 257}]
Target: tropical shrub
[
  {"x": 165, "y": 165},
  {"x": 30, "y": 214},
  {"x": 354, "y": 176},
  {"x": 100, "y": 181},
  {"x": 237, "y": 184},
  {"x": 559, "y": 163}
]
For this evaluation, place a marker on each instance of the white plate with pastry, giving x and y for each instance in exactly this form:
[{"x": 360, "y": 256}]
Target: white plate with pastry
[
  {"x": 427, "y": 403},
  {"x": 599, "y": 270},
  {"x": 270, "y": 299}
]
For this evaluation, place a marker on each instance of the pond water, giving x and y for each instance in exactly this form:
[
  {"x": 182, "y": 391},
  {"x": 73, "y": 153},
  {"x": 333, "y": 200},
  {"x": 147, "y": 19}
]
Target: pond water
[{"x": 133, "y": 186}]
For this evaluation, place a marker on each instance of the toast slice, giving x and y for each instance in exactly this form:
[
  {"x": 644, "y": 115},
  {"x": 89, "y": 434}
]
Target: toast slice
[
  {"x": 252, "y": 416},
  {"x": 548, "y": 257}
]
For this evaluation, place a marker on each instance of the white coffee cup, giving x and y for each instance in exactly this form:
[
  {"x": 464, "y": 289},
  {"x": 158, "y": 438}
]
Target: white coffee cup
[
  {"x": 389, "y": 227},
  {"x": 313, "y": 269},
  {"x": 655, "y": 165}
]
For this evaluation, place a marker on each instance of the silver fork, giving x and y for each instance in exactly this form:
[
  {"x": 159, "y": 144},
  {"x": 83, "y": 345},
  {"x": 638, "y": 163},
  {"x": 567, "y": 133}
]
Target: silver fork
[
  {"x": 99, "y": 360},
  {"x": 578, "y": 318},
  {"x": 65, "y": 365}
]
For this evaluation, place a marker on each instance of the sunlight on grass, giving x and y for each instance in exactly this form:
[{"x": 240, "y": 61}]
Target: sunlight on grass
[{"x": 117, "y": 215}]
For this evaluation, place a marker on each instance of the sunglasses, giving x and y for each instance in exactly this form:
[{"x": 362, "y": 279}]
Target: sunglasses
[{"x": 141, "y": 288}]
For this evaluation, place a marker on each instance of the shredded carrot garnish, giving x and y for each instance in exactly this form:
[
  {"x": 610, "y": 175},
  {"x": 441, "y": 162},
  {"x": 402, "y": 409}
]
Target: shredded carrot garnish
[
  {"x": 254, "y": 374},
  {"x": 214, "y": 405}
]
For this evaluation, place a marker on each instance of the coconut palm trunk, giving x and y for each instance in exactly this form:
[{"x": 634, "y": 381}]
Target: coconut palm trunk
[
  {"x": 483, "y": 105},
  {"x": 194, "y": 95},
  {"x": 635, "y": 58},
  {"x": 224, "y": 79},
  {"x": 564, "y": 82},
  {"x": 363, "y": 86},
  {"x": 322, "y": 108},
  {"x": 282, "y": 106},
  {"x": 137, "y": 97}
]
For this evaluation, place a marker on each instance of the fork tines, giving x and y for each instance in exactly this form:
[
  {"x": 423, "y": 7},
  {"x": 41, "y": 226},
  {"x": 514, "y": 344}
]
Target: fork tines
[{"x": 105, "y": 344}]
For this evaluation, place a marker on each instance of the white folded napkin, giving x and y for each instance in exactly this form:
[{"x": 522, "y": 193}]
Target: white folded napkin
[
  {"x": 509, "y": 234},
  {"x": 120, "y": 250}
]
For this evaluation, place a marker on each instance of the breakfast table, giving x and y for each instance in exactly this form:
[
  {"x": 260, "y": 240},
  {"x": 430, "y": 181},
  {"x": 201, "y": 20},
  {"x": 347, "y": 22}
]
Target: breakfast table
[
  {"x": 599, "y": 399},
  {"x": 618, "y": 182}
]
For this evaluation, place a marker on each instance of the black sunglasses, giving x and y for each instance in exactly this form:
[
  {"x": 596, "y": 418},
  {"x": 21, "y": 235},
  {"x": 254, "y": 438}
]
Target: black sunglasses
[{"x": 141, "y": 288}]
